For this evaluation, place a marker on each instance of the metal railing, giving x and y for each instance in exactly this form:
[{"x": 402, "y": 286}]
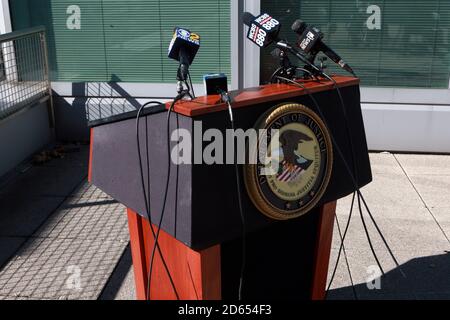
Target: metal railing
[{"x": 24, "y": 76}]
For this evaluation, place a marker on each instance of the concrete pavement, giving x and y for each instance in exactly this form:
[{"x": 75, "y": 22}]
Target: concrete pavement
[
  {"x": 59, "y": 237},
  {"x": 57, "y": 232},
  {"x": 410, "y": 200}
]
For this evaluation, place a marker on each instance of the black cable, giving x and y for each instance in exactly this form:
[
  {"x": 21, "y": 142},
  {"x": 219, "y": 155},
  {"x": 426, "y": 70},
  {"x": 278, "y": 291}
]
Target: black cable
[
  {"x": 275, "y": 73},
  {"x": 346, "y": 260},
  {"x": 355, "y": 172},
  {"x": 341, "y": 247},
  {"x": 339, "y": 151},
  {"x": 382, "y": 237},
  {"x": 367, "y": 234},
  {"x": 226, "y": 98},
  {"x": 312, "y": 75},
  {"x": 191, "y": 87},
  {"x": 177, "y": 98},
  {"x": 147, "y": 200},
  {"x": 358, "y": 191},
  {"x": 360, "y": 196}
]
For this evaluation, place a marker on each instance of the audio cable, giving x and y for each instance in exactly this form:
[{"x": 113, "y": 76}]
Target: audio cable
[
  {"x": 190, "y": 86},
  {"x": 354, "y": 178},
  {"x": 227, "y": 99},
  {"x": 341, "y": 155},
  {"x": 355, "y": 172},
  {"x": 345, "y": 255},
  {"x": 180, "y": 96},
  {"x": 358, "y": 192},
  {"x": 360, "y": 197},
  {"x": 146, "y": 194}
]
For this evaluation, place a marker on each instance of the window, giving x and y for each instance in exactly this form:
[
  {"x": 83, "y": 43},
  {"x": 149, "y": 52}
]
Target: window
[
  {"x": 392, "y": 43},
  {"x": 112, "y": 40}
]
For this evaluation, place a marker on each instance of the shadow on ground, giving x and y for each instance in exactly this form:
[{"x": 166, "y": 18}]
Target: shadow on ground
[
  {"x": 425, "y": 278},
  {"x": 60, "y": 237}
]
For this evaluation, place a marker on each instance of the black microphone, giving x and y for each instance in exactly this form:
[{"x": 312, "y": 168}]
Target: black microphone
[
  {"x": 183, "y": 48},
  {"x": 263, "y": 29},
  {"x": 310, "y": 41}
]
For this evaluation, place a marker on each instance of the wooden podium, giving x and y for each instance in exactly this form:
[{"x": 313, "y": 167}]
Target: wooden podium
[{"x": 200, "y": 240}]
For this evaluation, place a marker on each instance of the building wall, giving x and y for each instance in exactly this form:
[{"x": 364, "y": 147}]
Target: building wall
[
  {"x": 400, "y": 49},
  {"x": 26, "y": 131},
  {"x": 22, "y": 134},
  {"x": 392, "y": 55}
]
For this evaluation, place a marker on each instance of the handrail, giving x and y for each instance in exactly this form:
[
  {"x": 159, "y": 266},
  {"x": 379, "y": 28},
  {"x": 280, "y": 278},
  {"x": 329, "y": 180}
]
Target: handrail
[
  {"x": 20, "y": 33},
  {"x": 24, "y": 74}
]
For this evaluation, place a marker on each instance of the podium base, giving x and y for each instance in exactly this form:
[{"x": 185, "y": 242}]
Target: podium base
[{"x": 286, "y": 260}]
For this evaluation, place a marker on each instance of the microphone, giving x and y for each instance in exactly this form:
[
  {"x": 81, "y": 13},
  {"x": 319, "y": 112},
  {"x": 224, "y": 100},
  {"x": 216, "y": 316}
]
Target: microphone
[
  {"x": 183, "y": 48},
  {"x": 263, "y": 29},
  {"x": 310, "y": 41}
]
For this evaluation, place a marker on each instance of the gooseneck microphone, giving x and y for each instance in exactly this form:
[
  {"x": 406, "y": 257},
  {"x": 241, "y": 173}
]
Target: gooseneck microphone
[
  {"x": 310, "y": 41},
  {"x": 183, "y": 48}
]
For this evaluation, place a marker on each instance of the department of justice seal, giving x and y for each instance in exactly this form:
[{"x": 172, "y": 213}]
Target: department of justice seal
[{"x": 293, "y": 160}]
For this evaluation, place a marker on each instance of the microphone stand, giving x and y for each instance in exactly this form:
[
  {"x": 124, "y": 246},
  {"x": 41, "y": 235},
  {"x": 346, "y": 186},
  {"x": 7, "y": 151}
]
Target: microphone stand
[
  {"x": 181, "y": 78},
  {"x": 289, "y": 71},
  {"x": 284, "y": 46}
]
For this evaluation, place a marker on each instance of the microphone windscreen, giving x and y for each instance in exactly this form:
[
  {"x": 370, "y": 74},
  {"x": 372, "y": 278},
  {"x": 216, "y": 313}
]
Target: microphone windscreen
[
  {"x": 247, "y": 18},
  {"x": 185, "y": 42},
  {"x": 298, "y": 26}
]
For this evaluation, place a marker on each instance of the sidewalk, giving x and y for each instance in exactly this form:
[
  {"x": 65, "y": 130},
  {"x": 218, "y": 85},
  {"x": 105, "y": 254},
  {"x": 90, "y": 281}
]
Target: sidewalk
[
  {"x": 63, "y": 239},
  {"x": 59, "y": 237},
  {"x": 410, "y": 200}
]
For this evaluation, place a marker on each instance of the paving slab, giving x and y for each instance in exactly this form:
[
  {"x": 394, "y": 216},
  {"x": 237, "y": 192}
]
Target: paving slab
[
  {"x": 87, "y": 213},
  {"x": 424, "y": 274},
  {"x": 384, "y": 163},
  {"x": 14, "y": 298},
  {"x": 73, "y": 155},
  {"x": 121, "y": 283},
  {"x": 340, "y": 289},
  {"x": 60, "y": 268},
  {"x": 87, "y": 221},
  {"x": 416, "y": 236},
  {"x": 434, "y": 189},
  {"x": 442, "y": 216},
  {"x": 381, "y": 210},
  {"x": 417, "y": 267},
  {"x": 23, "y": 215},
  {"x": 87, "y": 192},
  {"x": 8, "y": 247},
  {"x": 426, "y": 164},
  {"x": 390, "y": 190},
  {"x": 45, "y": 181}
]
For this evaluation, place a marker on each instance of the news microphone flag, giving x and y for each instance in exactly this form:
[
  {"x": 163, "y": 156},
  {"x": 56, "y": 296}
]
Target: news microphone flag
[
  {"x": 189, "y": 41},
  {"x": 263, "y": 29}
]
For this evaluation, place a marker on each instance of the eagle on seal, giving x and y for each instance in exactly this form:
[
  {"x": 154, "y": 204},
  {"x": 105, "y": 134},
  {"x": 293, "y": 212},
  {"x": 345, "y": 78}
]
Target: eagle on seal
[{"x": 293, "y": 163}]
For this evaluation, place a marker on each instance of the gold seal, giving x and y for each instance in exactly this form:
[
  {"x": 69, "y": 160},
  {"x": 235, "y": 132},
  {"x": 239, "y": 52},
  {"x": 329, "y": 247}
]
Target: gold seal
[{"x": 292, "y": 162}]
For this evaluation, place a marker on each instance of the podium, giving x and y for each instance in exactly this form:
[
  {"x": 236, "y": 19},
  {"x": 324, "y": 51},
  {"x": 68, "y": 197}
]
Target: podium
[{"x": 200, "y": 241}]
